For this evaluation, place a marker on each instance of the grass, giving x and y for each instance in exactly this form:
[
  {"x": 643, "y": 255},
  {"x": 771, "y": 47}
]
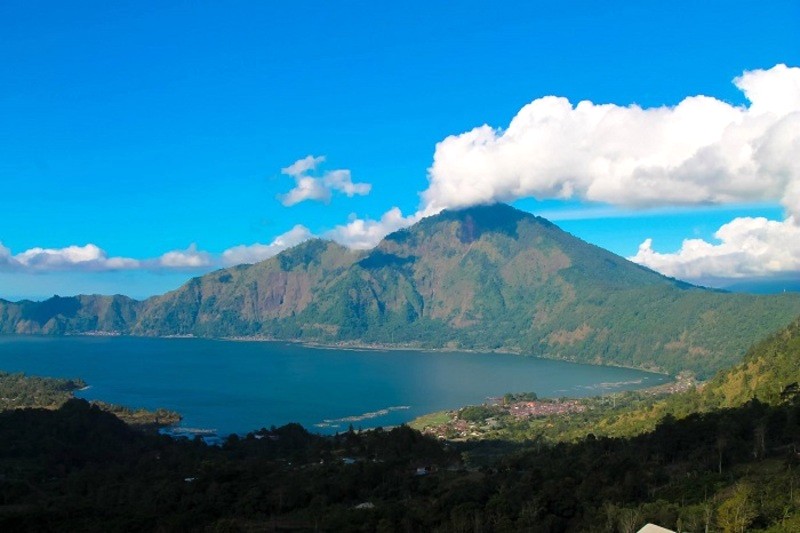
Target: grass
[{"x": 432, "y": 419}]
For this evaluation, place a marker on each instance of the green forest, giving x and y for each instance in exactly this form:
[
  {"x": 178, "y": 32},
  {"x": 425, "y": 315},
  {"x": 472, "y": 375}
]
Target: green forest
[{"x": 79, "y": 468}]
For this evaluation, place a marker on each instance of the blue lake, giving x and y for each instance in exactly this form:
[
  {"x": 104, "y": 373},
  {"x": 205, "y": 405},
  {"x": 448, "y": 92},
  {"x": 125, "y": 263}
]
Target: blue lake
[{"x": 236, "y": 387}]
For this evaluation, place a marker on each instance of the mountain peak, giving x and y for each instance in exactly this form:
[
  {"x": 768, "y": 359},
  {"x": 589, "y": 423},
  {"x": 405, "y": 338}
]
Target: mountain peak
[
  {"x": 473, "y": 222},
  {"x": 497, "y": 213}
]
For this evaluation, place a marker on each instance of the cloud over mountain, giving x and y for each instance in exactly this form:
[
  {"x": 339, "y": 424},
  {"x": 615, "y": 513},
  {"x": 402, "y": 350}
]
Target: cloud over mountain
[
  {"x": 701, "y": 151},
  {"x": 363, "y": 234},
  {"x": 259, "y": 252},
  {"x": 189, "y": 258},
  {"x": 748, "y": 247},
  {"x": 308, "y": 187}
]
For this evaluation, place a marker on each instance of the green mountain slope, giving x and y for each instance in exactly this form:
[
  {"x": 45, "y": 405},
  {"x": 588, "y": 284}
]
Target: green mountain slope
[
  {"x": 486, "y": 278},
  {"x": 768, "y": 373},
  {"x": 260, "y": 299},
  {"x": 75, "y": 314}
]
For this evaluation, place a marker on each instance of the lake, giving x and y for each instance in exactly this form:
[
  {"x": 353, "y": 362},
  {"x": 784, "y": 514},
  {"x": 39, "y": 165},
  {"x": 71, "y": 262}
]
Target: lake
[{"x": 236, "y": 387}]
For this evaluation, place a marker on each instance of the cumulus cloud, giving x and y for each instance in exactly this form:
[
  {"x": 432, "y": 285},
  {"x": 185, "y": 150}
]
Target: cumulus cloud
[
  {"x": 362, "y": 234},
  {"x": 259, "y": 252},
  {"x": 89, "y": 257},
  {"x": 189, "y": 258},
  {"x": 308, "y": 187},
  {"x": 700, "y": 151},
  {"x": 92, "y": 258},
  {"x": 747, "y": 247},
  {"x": 5, "y": 256}
]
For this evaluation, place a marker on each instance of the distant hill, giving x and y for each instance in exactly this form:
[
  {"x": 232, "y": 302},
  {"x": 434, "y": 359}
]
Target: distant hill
[
  {"x": 769, "y": 286},
  {"x": 485, "y": 278},
  {"x": 74, "y": 314}
]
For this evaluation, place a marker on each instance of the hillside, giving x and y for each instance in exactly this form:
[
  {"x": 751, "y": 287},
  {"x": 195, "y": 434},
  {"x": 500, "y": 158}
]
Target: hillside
[
  {"x": 485, "y": 278},
  {"x": 74, "y": 314},
  {"x": 769, "y": 373},
  {"x": 80, "y": 469}
]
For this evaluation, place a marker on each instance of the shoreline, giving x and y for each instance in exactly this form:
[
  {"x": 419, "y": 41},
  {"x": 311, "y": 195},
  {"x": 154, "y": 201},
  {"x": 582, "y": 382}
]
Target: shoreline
[
  {"x": 353, "y": 346},
  {"x": 366, "y": 347}
]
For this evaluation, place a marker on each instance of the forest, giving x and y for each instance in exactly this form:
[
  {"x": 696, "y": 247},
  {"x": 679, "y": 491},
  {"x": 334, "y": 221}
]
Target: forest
[{"x": 79, "y": 468}]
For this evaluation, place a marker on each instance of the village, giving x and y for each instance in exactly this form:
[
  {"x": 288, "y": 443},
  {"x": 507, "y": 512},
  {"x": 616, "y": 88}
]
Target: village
[
  {"x": 474, "y": 421},
  {"x": 497, "y": 414}
]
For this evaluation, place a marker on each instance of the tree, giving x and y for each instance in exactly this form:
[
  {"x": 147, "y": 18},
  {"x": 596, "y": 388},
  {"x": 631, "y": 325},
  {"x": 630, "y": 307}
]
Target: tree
[
  {"x": 737, "y": 512},
  {"x": 629, "y": 520}
]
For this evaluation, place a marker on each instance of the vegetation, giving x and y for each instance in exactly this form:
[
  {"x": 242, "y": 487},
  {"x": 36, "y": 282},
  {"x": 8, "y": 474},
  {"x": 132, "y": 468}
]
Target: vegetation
[
  {"x": 18, "y": 391},
  {"x": 79, "y": 468},
  {"x": 769, "y": 373},
  {"x": 485, "y": 278},
  {"x": 141, "y": 418}
]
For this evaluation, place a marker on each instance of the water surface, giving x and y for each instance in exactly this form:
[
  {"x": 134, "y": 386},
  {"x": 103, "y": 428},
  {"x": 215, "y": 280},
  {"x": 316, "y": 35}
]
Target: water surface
[{"x": 236, "y": 387}]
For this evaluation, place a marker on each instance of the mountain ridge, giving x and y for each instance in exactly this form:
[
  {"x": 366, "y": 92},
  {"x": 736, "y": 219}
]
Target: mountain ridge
[{"x": 486, "y": 278}]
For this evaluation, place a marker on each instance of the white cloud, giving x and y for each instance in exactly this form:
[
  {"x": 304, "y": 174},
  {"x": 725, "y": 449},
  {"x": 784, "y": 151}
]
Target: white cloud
[
  {"x": 310, "y": 188},
  {"x": 340, "y": 180},
  {"x": 366, "y": 233},
  {"x": 748, "y": 247},
  {"x": 306, "y": 188},
  {"x": 701, "y": 151},
  {"x": 189, "y": 258},
  {"x": 303, "y": 166},
  {"x": 5, "y": 256},
  {"x": 89, "y": 257},
  {"x": 259, "y": 252},
  {"x": 92, "y": 258}
]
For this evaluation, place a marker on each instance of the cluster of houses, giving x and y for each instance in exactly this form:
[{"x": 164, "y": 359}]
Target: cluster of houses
[
  {"x": 458, "y": 428},
  {"x": 533, "y": 409}
]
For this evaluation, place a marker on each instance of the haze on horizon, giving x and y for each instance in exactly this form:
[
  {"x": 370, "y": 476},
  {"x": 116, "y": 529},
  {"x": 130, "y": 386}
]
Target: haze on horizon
[{"x": 144, "y": 145}]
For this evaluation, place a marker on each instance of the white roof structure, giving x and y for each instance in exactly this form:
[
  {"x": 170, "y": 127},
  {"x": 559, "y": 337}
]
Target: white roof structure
[{"x": 652, "y": 528}]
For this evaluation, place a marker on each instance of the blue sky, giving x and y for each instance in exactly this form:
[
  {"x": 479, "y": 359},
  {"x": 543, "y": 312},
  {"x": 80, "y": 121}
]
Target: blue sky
[{"x": 145, "y": 128}]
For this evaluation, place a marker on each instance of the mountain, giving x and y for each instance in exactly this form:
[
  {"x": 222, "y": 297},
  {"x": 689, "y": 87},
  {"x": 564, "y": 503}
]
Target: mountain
[
  {"x": 74, "y": 314},
  {"x": 486, "y": 278}
]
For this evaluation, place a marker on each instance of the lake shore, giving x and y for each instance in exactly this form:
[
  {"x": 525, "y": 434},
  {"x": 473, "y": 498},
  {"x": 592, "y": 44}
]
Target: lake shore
[{"x": 366, "y": 347}]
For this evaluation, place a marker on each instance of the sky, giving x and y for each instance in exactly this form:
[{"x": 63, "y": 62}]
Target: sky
[{"x": 144, "y": 143}]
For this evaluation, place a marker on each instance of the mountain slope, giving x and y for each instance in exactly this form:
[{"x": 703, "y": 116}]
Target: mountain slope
[
  {"x": 487, "y": 277},
  {"x": 769, "y": 372},
  {"x": 57, "y": 315},
  {"x": 247, "y": 299}
]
